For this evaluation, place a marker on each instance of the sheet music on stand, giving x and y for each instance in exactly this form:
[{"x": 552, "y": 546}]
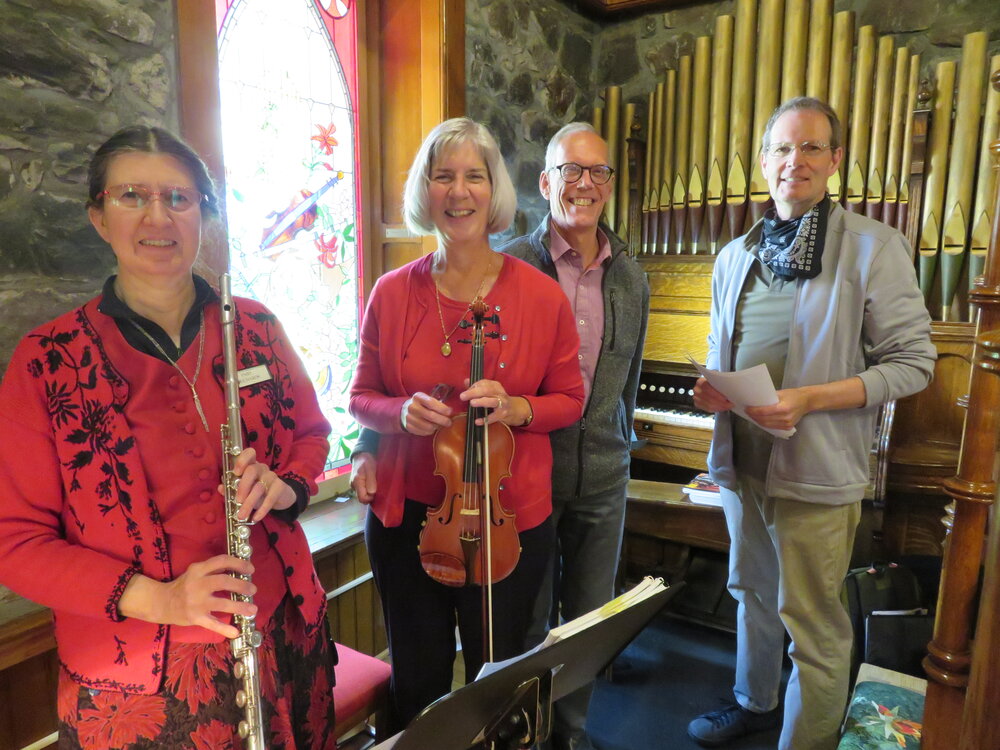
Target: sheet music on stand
[{"x": 509, "y": 705}]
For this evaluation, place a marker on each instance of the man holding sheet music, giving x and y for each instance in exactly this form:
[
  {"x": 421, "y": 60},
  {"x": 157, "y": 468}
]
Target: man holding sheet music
[{"x": 828, "y": 301}]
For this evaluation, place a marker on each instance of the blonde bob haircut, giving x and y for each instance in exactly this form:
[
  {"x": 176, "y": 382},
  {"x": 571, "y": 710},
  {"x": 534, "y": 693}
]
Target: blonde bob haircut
[{"x": 451, "y": 133}]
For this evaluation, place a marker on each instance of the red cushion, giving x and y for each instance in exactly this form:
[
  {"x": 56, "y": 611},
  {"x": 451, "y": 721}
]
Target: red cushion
[{"x": 362, "y": 682}]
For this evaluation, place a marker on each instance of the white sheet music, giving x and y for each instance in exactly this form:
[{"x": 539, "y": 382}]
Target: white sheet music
[{"x": 751, "y": 387}]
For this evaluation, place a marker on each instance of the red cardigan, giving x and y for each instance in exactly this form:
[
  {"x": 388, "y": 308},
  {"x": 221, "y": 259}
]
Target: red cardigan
[
  {"x": 539, "y": 355},
  {"x": 76, "y": 517}
]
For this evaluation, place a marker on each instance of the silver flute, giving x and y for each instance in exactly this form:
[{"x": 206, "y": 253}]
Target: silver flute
[{"x": 245, "y": 645}]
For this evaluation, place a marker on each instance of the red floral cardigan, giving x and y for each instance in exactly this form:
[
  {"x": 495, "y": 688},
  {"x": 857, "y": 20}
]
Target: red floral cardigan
[{"x": 76, "y": 517}]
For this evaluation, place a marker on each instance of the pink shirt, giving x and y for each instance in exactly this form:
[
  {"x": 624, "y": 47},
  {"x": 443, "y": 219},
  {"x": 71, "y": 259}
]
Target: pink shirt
[{"x": 583, "y": 288}]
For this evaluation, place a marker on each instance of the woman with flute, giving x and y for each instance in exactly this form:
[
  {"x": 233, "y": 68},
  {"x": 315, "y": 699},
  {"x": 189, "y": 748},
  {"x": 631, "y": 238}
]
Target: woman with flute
[
  {"x": 413, "y": 379},
  {"x": 110, "y": 505}
]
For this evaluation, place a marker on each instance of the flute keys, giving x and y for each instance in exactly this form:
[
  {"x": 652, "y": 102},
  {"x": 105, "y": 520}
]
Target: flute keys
[
  {"x": 243, "y": 729},
  {"x": 241, "y": 701}
]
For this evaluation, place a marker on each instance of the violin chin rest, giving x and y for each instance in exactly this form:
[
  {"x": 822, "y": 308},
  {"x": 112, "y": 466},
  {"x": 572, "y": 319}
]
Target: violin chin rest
[{"x": 446, "y": 569}]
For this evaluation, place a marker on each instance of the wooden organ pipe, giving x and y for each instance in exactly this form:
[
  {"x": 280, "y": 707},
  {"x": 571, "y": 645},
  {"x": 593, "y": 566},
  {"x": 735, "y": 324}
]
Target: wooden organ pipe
[
  {"x": 986, "y": 183},
  {"x": 961, "y": 166},
  {"x": 654, "y": 146},
  {"x": 715, "y": 190},
  {"x": 682, "y": 141},
  {"x": 612, "y": 133},
  {"x": 669, "y": 105},
  {"x": 906, "y": 164},
  {"x": 623, "y": 180},
  {"x": 793, "y": 63},
  {"x": 647, "y": 177},
  {"x": 936, "y": 169},
  {"x": 742, "y": 152},
  {"x": 897, "y": 125},
  {"x": 842, "y": 54},
  {"x": 861, "y": 121},
  {"x": 875, "y": 186},
  {"x": 818, "y": 72},
  {"x": 701, "y": 87},
  {"x": 766, "y": 94}
]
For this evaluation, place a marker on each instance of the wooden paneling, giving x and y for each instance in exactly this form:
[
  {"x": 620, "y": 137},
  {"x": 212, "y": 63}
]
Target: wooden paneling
[
  {"x": 201, "y": 110},
  {"x": 680, "y": 301},
  {"x": 422, "y": 82},
  {"x": 661, "y": 510},
  {"x": 27, "y": 701},
  {"x": 674, "y": 444}
]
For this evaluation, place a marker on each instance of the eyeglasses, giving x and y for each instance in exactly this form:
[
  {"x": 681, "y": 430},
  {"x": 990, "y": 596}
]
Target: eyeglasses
[
  {"x": 176, "y": 199},
  {"x": 808, "y": 149},
  {"x": 572, "y": 172}
]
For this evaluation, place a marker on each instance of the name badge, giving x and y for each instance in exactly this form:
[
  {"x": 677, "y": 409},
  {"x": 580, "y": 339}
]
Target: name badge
[{"x": 252, "y": 375}]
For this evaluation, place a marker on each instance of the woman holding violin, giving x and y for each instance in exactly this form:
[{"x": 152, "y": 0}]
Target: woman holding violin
[{"x": 468, "y": 359}]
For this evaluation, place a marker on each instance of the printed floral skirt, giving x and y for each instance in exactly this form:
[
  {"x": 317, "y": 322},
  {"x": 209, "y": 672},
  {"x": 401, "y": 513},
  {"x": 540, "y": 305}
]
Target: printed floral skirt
[{"x": 196, "y": 707}]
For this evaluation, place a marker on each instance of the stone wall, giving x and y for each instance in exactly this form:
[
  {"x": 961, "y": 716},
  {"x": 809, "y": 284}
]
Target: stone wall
[
  {"x": 528, "y": 72},
  {"x": 71, "y": 73},
  {"x": 533, "y": 65}
]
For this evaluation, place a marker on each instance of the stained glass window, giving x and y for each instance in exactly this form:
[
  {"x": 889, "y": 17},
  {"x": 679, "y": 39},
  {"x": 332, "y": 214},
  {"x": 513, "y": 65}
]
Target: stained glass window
[{"x": 289, "y": 90}]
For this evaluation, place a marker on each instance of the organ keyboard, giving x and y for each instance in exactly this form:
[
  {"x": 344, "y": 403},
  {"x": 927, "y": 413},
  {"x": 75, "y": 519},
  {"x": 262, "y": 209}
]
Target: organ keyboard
[{"x": 673, "y": 430}]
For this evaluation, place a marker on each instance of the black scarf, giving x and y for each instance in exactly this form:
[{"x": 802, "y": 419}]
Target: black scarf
[{"x": 793, "y": 248}]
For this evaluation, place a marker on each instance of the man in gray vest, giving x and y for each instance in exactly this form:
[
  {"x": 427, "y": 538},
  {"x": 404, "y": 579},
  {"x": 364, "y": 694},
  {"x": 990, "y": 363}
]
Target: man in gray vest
[
  {"x": 590, "y": 459},
  {"x": 829, "y": 302},
  {"x": 610, "y": 300}
]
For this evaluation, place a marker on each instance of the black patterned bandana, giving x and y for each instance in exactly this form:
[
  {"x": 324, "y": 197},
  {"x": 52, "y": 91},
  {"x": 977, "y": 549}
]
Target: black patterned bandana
[{"x": 793, "y": 248}]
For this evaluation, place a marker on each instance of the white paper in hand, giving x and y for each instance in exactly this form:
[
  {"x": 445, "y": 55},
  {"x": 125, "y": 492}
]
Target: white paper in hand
[{"x": 752, "y": 387}]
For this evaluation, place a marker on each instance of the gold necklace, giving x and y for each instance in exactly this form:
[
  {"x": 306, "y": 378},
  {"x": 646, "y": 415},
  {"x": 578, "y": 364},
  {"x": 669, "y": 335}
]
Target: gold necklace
[
  {"x": 446, "y": 346},
  {"x": 197, "y": 367}
]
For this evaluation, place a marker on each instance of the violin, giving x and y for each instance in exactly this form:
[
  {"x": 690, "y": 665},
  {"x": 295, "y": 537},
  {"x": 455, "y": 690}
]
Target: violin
[{"x": 470, "y": 531}]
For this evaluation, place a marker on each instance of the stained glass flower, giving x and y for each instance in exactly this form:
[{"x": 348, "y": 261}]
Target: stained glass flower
[{"x": 325, "y": 138}]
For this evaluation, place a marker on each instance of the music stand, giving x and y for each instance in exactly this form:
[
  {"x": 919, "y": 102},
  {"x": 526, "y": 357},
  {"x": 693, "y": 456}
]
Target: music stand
[{"x": 511, "y": 708}]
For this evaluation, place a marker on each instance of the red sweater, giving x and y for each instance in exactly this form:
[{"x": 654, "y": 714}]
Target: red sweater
[
  {"x": 77, "y": 516},
  {"x": 535, "y": 356}
]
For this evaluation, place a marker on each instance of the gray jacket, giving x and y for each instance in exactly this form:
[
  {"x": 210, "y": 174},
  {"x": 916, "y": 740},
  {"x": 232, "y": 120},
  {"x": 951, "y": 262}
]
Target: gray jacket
[
  {"x": 862, "y": 315},
  {"x": 592, "y": 455}
]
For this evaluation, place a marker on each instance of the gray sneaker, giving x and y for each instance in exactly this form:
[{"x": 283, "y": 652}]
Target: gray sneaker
[{"x": 716, "y": 728}]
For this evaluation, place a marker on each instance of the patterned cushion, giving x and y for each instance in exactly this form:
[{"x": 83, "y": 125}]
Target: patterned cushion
[{"x": 883, "y": 717}]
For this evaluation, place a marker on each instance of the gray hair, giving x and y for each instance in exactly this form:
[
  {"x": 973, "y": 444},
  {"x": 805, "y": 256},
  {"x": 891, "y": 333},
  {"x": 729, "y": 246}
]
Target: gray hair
[
  {"x": 451, "y": 133},
  {"x": 809, "y": 103},
  {"x": 564, "y": 132}
]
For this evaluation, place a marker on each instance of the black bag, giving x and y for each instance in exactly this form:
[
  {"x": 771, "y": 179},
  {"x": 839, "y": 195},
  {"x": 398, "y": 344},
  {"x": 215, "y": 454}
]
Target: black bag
[
  {"x": 898, "y": 641},
  {"x": 879, "y": 587}
]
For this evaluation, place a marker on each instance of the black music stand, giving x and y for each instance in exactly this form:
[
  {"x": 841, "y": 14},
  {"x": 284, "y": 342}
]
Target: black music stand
[{"x": 511, "y": 708}]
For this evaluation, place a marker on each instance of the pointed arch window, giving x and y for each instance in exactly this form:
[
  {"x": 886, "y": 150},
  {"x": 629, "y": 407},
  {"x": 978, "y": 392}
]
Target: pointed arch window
[{"x": 289, "y": 91}]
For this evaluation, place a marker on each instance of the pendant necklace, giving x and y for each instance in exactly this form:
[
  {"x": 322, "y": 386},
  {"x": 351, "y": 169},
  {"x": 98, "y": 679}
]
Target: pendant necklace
[
  {"x": 197, "y": 367},
  {"x": 446, "y": 346}
]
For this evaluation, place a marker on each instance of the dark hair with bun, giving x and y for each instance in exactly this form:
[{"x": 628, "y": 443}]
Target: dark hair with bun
[{"x": 149, "y": 140}]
